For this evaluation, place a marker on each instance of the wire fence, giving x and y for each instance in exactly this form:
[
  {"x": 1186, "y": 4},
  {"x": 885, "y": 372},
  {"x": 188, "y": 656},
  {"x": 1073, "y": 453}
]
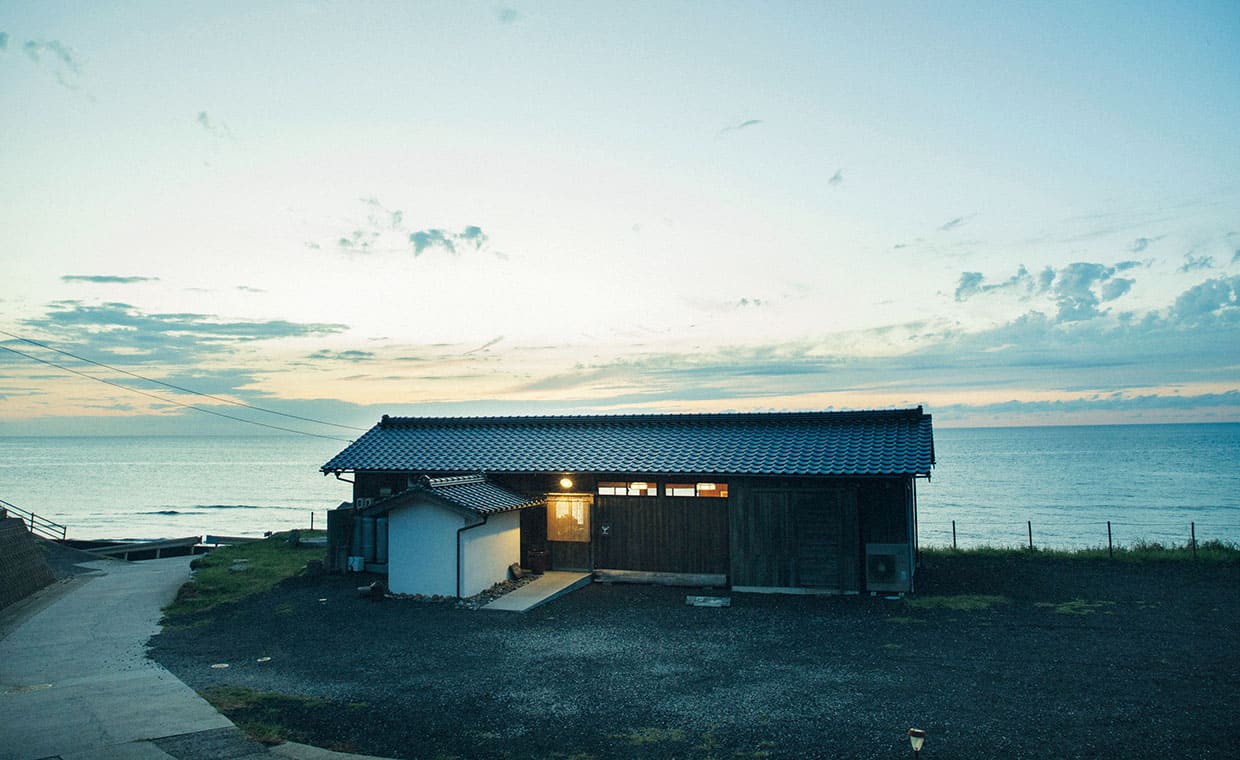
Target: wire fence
[{"x": 1106, "y": 534}]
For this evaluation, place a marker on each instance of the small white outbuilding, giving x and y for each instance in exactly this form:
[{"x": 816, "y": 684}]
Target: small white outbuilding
[{"x": 453, "y": 536}]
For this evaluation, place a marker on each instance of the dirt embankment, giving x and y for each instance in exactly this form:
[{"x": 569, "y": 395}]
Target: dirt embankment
[{"x": 1045, "y": 658}]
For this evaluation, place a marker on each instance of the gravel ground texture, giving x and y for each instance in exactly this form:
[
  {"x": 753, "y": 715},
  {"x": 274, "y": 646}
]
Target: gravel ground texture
[{"x": 992, "y": 657}]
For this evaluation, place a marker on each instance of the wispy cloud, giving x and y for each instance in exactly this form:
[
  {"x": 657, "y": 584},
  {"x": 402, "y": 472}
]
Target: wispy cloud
[
  {"x": 100, "y": 279},
  {"x": 837, "y": 178},
  {"x": 219, "y": 130},
  {"x": 1196, "y": 263},
  {"x": 445, "y": 240},
  {"x": 507, "y": 15},
  {"x": 951, "y": 224},
  {"x": 484, "y": 346},
  {"x": 739, "y": 126},
  {"x": 1113, "y": 403},
  {"x": 4, "y": 41},
  {"x": 59, "y": 58},
  {"x": 341, "y": 356},
  {"x": 385, "y": 231},
  {"x": 1077, "y": 290},
  {"x": 128, "y": 332},
  {"x": 973, "y": 283},
  {"x": 1214, "y": 301},
  {"x": 1141, "y": 243}
]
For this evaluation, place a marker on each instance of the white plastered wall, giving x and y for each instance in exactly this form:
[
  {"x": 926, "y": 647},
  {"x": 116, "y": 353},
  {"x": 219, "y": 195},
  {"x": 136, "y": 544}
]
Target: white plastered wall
[
  {"x": 488, "y": 550},
  {"x": 422, "y": 549}
]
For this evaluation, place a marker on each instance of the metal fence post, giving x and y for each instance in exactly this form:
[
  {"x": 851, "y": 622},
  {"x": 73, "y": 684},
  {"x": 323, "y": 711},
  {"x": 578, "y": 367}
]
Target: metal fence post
[
  {"x": 1029, "y": 525},
  {"x": 1110, "y": 548}
]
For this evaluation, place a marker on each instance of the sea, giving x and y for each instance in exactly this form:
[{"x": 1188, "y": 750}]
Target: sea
[{"x": 999, "y": 486}]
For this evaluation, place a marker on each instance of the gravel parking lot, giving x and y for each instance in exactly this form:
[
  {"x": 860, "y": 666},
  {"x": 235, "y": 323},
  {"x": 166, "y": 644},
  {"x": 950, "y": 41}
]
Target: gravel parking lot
[{"x": 1013, "y": 658}]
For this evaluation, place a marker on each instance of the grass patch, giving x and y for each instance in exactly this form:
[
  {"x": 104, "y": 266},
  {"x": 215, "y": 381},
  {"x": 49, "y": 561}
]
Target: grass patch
[
  {"x": 260, "y": 714},
  {"x": 1075, "y": 607},
  {"x": 1212, "y": 551},
  {"x": 904, "y": 620},
  {"x": 957, "y": 602},
  {"x": 266, "y": 563}
]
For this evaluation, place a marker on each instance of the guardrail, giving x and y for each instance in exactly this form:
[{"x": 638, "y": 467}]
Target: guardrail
[
  {"x": 172, "y": 547},
  {"x": 40, "y": 526}
]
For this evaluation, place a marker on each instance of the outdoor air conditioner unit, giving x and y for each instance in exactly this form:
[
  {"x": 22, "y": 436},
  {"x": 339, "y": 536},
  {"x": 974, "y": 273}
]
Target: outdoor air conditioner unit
[
  {"x": 364, "y": 501},
  {"x": 887, "y": 567}
]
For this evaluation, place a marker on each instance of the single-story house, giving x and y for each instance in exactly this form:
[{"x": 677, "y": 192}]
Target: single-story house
[{"x": 802, "y": 502}]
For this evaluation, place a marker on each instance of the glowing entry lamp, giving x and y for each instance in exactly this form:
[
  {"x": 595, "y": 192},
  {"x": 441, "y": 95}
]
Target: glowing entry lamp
[
  {"x": 566, "y": 483},
  {"x": 916, "y": 737}
]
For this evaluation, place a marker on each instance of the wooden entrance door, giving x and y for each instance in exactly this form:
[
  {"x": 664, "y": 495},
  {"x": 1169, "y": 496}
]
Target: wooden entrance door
[
  {"x": 568, "y": 531},
  {"x": 826, "y": 541}
]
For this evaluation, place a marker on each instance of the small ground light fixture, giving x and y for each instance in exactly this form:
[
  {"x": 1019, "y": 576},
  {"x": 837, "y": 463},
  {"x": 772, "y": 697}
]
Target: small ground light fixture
[
  {"x": 566, "y": 483},
  {"x": 916, "y": 737}
]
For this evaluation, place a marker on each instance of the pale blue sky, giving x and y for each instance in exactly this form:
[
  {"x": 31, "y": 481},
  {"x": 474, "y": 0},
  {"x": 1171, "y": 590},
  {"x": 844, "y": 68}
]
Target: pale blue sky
[{"x": 1012, "y": 213}]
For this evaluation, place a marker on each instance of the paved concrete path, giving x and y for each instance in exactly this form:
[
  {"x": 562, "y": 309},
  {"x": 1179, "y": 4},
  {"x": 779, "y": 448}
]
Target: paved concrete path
[
  {"x": 75, "y": 682},
  {"x": 552, "y": 585}
]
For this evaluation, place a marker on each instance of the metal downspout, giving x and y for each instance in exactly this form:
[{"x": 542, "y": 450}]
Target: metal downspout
[
  {"x": 912, "y": 579},
  {"x": 459, "y": 531}
]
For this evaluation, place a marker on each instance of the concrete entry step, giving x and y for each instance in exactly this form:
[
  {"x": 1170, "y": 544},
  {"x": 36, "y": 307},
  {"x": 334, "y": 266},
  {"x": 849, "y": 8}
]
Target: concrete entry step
[
  {"x": 213, "y": 744},
  {"x": 553, "y": 584}
]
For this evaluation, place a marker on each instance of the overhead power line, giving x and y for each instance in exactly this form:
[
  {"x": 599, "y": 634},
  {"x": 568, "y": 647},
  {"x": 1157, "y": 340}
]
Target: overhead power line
[
  {"x": 220, "y": 399},
  {"x": 174, "y": 402}
]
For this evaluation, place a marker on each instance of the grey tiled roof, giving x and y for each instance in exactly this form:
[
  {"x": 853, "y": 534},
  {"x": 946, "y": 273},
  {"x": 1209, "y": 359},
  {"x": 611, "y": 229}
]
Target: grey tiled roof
[
  {"x": 477, "y": 495},
  {"x": 469, "y": 492},
  {"x": 888, "y": 442}
]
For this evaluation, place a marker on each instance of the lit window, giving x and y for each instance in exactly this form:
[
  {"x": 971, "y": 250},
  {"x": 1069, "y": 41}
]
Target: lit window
[
  {"x": 635, "y": 488},
  {"x": 568, "y": 518},
  {"x": 701, "y": 490}
]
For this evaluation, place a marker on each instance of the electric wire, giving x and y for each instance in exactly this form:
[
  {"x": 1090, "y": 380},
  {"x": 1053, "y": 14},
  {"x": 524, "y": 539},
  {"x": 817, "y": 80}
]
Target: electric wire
[
  {"x": 191, "y": 391},
  {"x": 174, "y": 402}
]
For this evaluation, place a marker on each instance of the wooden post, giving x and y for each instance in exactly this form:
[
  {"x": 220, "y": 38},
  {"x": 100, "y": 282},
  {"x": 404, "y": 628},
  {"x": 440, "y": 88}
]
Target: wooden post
[
  {"x": 312, "y": 519},
  {"x": 1029, "y": 525},
  {"x": 953, "y": 535},
  {"x": 1110, "y": 548},
  {"x": 1192, "y": 532}
]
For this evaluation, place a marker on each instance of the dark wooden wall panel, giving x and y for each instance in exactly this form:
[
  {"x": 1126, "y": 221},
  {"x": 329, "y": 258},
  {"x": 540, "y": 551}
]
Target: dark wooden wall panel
[
  {"x": 666, "y": 534},
  {"x": 795, "y": 534}
]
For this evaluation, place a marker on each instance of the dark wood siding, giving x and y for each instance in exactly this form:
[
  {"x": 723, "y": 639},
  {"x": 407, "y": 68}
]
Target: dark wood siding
[
  {"x": 569, "y": 555},
  {"x": 670, "y": 534},
  {"x": 795, "y": 534},
  {"x": 884, "y": 507},
  {"x": 533, "y": 533}
]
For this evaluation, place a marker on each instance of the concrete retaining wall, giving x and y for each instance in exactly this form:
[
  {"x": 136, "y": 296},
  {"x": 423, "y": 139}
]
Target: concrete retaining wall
[{"x": 23, "y": 568}]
